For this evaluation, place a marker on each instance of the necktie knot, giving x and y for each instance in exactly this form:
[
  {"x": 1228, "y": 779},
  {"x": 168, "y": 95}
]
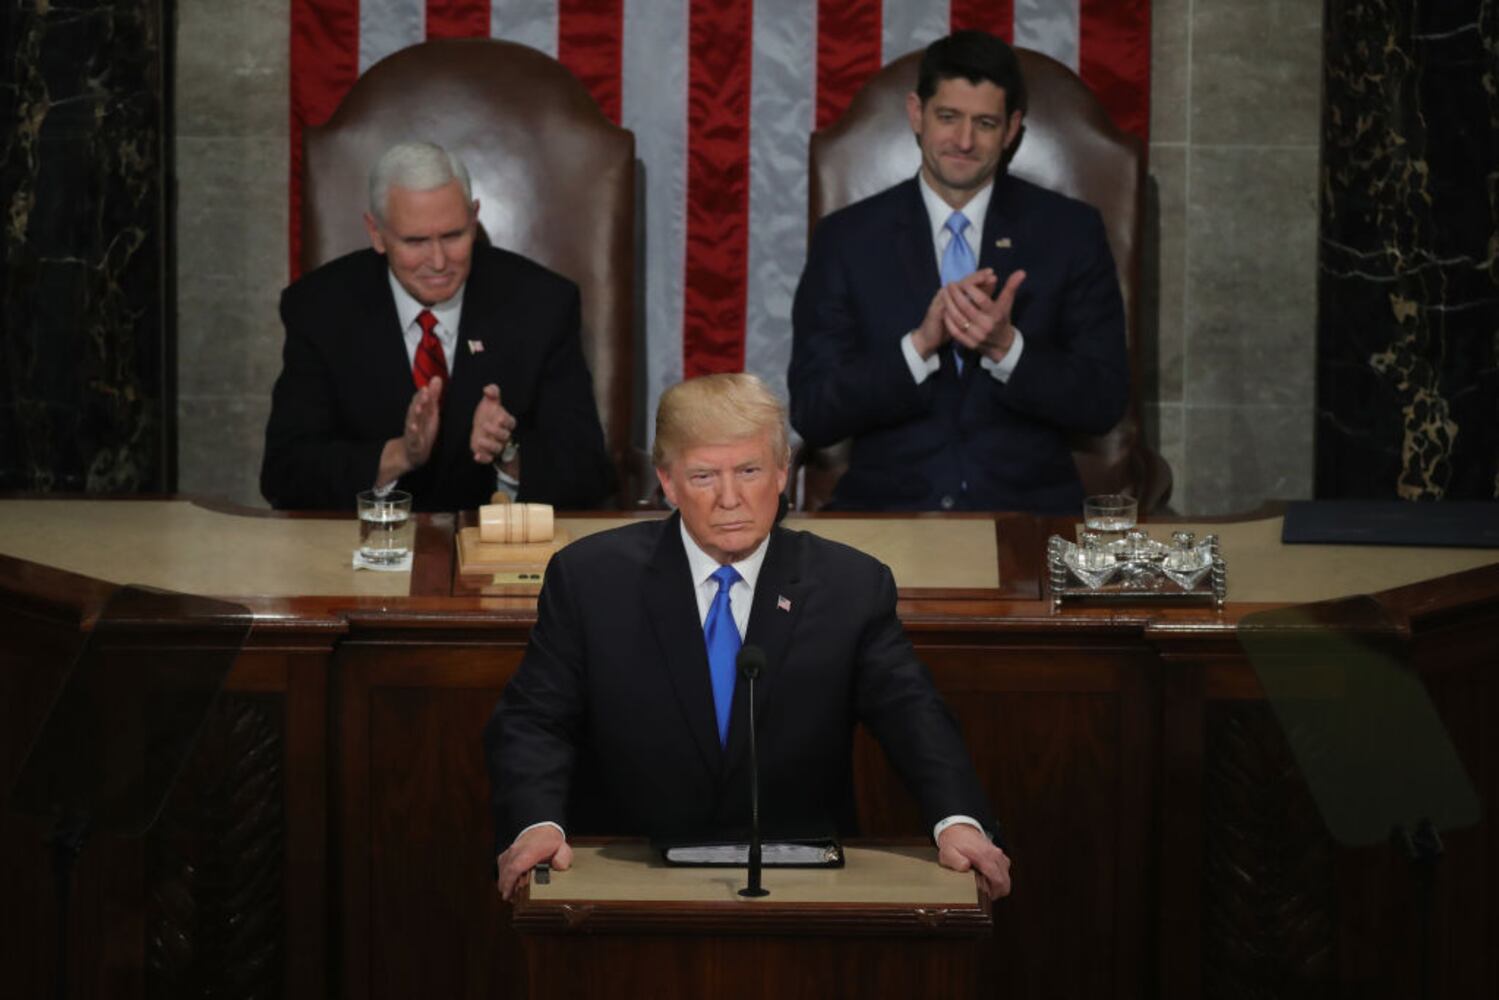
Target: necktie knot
[
  {"x": 428, "y": 322},
  {"x": 726, "y": 576},
  {"x": 956, "y": 223}
]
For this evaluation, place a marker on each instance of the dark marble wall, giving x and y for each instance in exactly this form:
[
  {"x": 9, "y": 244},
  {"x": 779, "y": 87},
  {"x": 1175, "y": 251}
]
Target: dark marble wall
[
  {"x": 87, "y": 399},
  {"x": 1408, "y": 328}
]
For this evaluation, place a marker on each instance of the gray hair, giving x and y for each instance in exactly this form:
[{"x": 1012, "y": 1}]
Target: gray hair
[{"x": 415, "y": 166}]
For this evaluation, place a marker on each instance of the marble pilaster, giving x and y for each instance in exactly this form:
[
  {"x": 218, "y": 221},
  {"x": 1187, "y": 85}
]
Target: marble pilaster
[
  {"x": 1408, "y": 344},
  {"x": 86, "y": 398}
]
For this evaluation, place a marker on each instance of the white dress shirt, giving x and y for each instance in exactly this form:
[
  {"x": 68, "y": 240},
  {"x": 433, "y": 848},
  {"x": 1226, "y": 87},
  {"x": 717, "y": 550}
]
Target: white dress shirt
[
  {"x": 448, "y": 313},
  {"x": 938, "y": 212}
]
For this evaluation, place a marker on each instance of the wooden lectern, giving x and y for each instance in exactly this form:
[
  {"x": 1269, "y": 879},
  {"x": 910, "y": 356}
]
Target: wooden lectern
[{"x": 622, "y": 923}]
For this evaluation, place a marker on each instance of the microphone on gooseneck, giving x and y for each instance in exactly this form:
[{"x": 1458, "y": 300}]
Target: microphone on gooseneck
[{"x": 751, "y": 661}]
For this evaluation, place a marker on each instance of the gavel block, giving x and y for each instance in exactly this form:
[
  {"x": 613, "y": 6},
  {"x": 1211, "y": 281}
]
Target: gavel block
[{"x": 514, "y": 542}]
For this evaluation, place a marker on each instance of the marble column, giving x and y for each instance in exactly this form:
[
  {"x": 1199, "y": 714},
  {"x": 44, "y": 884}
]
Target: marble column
[
  {"x": 1408, "y": 326},
  {"x": 85, "y": 401}
]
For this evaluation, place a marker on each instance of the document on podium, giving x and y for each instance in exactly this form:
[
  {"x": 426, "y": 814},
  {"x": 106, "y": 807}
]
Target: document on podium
[{"x": 817, "y": 853}]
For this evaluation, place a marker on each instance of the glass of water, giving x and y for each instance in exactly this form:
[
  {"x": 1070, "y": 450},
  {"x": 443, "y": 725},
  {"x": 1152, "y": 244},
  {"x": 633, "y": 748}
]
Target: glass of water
[
  {"x": 385, "y": 528},
  {"x": 1110, "y": 515}
]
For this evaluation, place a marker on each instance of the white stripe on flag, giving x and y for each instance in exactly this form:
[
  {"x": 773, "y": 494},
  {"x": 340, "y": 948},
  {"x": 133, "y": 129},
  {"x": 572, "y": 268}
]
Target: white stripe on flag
[
  {"x": 654, "y": 106},
  {"x": 1049, "y": 26},
  {"x": 530, "y": 22},
  {"x": 387, "y": 26},
  {"x": 783, "y": 84},
  {"x": 906, "y": 27}
]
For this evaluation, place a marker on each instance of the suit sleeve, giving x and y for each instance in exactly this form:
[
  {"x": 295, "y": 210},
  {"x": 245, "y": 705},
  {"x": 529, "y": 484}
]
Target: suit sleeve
[
  {"x": 1077, "y": 380},
  {"x": 532, "y": 738},
  {"x": 896, "y": 699},
  {"x": 844, "y": 380},
  {"x": 563, "y": 460},
  {"x": 310, "y": 463}
]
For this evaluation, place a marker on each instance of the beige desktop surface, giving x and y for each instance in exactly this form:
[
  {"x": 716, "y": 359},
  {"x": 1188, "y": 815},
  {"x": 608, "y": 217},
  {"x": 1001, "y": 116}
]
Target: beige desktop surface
[
  {"x": 631, "y": 871},
  {"x": 177, "y": 545},
  {"x": 958, "y": 553},
  {"x": 1261, "y": 569}
]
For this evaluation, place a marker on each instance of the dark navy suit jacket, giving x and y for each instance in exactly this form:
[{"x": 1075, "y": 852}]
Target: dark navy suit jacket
[
  {"x": 345, "y": 385},
  {"x": 608, "y": 725},
  {"x": 871, "y": 273}
]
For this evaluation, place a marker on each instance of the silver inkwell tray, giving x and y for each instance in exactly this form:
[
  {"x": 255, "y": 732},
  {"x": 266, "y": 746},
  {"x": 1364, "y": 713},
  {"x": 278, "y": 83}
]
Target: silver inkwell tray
[{"x": 1137, "y": 566}]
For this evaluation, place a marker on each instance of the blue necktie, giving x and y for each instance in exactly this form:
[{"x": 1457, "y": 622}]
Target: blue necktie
[
  {"x": 957, "y": 264},
  {"x": 723, "y": 646}
]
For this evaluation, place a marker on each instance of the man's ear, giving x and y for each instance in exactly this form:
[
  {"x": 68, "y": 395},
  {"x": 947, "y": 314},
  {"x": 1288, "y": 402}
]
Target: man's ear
[
  {"x": 1012, "y": 128},
  {"x": 913, "y": 112},
  {"x": 373, "y": 228},
  {"x": 668, "y": 489}
]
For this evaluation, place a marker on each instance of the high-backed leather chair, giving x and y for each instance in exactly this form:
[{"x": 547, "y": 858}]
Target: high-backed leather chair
[
  {"x": 554, "y": 178},
  {"x": 1069, "y": 145}
]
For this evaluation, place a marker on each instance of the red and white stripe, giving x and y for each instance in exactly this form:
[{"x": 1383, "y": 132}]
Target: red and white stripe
[{"x": 721, "y": 95}]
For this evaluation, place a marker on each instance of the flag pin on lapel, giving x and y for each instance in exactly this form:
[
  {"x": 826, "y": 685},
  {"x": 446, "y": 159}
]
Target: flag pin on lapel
[
  {"x": 476, "y": 347},
  {"x": 783, "y": 603},
  {"x": 1003, "y": 243}
]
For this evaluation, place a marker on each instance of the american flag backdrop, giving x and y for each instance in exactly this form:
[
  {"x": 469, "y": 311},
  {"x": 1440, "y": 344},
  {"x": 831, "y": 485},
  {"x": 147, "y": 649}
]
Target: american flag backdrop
[{"x": 721, "y": 96}]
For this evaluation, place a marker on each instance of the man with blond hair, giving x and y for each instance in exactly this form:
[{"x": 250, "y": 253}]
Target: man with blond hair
[
  {"x": 431, "y": 363},
  {"x": 624, "y": 716}
]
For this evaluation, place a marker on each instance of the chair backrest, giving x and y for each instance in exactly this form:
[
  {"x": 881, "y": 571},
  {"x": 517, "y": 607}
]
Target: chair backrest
[
  {"x": 554, "y": 178},
  {"x": 1069, "y": 145}
]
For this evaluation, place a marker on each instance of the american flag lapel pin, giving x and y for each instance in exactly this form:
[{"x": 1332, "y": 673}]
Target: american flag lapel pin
[
  {"x": 1003, "y": 243},
  {"x": 783, "y": 603},
  {"x": 476, "y": 347}
]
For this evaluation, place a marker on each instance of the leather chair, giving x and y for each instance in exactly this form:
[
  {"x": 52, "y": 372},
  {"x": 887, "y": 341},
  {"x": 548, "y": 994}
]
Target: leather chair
[
  {"x": 1070, "y": 145},
  {"x": 554, "y": 178}
]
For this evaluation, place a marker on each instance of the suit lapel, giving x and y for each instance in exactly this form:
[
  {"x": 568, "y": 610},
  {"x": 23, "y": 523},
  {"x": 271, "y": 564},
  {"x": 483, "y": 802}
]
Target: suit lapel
[
  {"x": 778, "y": 602},
  {"x": 475, "y": 360},
  {"x": 1001, "y": 223},
  {"x": 914, "y": 240},
  {"x": 672, "y": 606},
  {"x": 382, "y": 351}
]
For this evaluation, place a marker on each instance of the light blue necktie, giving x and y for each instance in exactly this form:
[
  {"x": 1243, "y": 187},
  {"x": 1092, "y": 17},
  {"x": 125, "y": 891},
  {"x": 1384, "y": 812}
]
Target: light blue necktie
[
  {"x": 957, "y": 264},
  {"x": 723, "y": 641}
]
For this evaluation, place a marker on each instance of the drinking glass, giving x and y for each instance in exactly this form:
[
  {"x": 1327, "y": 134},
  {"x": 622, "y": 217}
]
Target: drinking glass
[
  {"x": 1110, "y": 515},
  {"x": 385, "y": 528}
]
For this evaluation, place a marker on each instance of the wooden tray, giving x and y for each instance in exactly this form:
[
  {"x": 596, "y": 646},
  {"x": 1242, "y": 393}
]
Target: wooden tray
[{"x": 517, "y": 568}]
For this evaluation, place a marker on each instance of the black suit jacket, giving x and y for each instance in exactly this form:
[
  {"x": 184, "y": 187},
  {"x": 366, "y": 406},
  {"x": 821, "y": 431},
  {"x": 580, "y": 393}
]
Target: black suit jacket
[
  {"x": 871, "y": 273},
  {"x": 608, "y": 725},
  {"x": 346, "y": 382}
]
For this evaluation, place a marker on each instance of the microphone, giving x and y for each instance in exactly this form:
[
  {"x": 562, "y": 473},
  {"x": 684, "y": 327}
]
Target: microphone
[{"x": 751, "y": 661}]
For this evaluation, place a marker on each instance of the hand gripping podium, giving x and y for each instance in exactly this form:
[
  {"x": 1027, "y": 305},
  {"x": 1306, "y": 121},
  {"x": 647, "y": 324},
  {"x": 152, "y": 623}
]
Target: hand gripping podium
[{"x": 622, "y": 923}]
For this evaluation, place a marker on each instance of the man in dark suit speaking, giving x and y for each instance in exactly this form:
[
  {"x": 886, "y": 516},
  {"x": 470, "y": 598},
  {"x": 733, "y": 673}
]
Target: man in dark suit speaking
[
  {"x": 431, "y": 363},
  {"x": 907, "y": 323},
  {"x": 625, "y": 716}
]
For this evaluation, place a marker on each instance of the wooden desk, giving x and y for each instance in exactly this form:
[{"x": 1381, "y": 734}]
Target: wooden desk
[{"x": 1164, "y": 842}]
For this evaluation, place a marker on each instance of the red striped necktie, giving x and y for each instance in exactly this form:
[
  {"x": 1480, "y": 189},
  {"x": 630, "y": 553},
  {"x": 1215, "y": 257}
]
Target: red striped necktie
[{"x": 430, "y": 363}]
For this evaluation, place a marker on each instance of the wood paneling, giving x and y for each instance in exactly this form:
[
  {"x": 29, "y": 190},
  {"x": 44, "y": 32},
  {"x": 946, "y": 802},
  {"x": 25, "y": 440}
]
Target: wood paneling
[{"x": 1164, "y": 844}]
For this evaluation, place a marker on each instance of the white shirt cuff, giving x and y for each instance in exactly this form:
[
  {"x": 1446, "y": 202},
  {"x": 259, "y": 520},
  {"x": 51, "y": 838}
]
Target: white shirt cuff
[
  {"x": 954, "y": 821},
  {"x": 545, "y": 822},
  {"x": 506, "y": 484},
  {"x": 920, "y": 367},
  {"x": 1005, "y": 366}
]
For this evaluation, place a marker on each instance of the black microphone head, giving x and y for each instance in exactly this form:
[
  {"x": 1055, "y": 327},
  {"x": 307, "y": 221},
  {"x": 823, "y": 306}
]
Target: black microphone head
[{"x": 751, "y": 661}]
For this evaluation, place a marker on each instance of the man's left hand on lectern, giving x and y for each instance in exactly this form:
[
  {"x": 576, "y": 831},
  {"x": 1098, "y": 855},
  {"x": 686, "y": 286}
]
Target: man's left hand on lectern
[
  {"x": 966, "y": 848},
  {"x": 539, "y": 843}
]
